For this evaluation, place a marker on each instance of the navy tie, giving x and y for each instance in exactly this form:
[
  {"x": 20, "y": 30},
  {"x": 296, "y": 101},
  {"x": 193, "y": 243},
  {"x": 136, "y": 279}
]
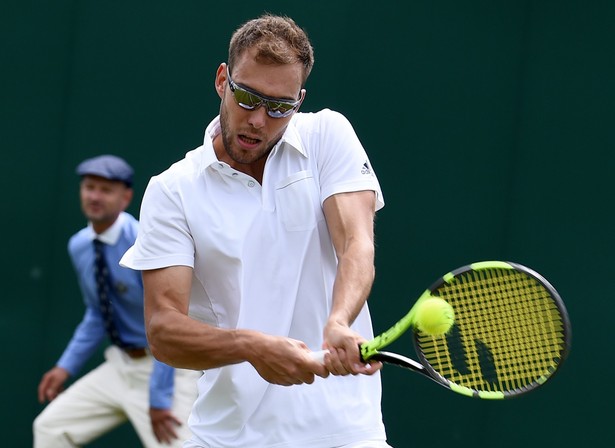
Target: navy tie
[{"x": 103, "y": 281}]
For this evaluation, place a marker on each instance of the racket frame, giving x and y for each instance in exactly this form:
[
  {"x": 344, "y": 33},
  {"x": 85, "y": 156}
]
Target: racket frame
[{"x": 371, "y": 349}]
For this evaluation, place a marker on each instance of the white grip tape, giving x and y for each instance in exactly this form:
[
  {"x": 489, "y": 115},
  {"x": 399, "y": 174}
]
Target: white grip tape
[{"x": 319, "y": 355}]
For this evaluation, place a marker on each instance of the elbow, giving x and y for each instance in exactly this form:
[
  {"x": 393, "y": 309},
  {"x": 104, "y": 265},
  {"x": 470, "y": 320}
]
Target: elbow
[
  {"x": 157, "y": 346},
  {"x": 157, "y": 352}
]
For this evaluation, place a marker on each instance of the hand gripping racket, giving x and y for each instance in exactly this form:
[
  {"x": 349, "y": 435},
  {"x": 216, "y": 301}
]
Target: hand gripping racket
[{"x": 511, "y": 332}]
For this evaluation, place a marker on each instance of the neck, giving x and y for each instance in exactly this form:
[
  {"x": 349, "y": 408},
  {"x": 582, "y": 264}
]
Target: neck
[
  {"x": 101, "y": 226},
  {"x": 253, "y": 169}
]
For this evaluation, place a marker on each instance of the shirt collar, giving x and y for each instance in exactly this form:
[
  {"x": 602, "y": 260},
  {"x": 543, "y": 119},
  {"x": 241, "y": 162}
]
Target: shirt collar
[
  {"x": 290, "y": 138},
  {"x": 112, "y": 234}
]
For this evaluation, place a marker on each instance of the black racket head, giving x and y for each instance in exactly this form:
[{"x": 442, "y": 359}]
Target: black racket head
[{"x": 511, "y": 331}]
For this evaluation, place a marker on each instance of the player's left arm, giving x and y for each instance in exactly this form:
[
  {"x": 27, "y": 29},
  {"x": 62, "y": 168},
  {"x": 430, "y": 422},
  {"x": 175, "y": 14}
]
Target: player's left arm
[{"x": 350, "y": 220}]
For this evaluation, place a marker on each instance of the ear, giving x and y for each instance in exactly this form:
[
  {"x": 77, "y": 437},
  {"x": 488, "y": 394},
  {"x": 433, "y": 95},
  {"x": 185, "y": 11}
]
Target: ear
[
  {"x": 127, "y": 197},
  {"x": 303, "y": 93},
  {"x": 220, "y": 82}
]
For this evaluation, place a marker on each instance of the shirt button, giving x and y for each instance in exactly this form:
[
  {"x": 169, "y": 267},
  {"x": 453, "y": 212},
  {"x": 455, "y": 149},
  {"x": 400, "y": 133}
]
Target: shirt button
[{"x": 251, "y": 183}]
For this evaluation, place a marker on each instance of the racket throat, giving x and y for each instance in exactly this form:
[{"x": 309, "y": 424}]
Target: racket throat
[{"x": 399, "y": 360}]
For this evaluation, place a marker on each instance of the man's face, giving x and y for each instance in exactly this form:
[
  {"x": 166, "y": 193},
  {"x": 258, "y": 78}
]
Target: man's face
[
  {"x": 102, "y": 200},
  {"x": 249, "y": 135}
]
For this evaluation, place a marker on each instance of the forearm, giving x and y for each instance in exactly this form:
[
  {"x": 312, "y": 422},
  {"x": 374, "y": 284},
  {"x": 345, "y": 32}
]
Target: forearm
[
  {"x": 350, "y": 218},
  {"x": 353, "y": 282},
  {"x": 354, "y": 279},
  {"x": 182, "y": 342},
  {"x": 86, "y": 339},
  {"x": 174, "y": 337}
]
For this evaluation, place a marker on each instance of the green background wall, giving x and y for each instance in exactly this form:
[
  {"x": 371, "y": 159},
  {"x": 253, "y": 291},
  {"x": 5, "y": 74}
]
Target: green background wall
[{"x": 490, "y": 124}]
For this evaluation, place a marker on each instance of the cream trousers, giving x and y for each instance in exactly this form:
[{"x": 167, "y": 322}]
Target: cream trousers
[{"x": 111, "y": 394}]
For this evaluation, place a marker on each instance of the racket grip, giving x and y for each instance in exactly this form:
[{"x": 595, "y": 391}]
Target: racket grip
[{"x": 319, "y": 355}]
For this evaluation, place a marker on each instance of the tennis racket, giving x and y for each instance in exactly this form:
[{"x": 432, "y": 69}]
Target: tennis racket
[{"x": 511, "y": 333}]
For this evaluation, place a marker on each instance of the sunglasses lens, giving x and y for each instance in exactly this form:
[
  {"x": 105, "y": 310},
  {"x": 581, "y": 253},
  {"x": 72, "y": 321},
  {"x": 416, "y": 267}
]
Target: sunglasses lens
[
  {"x": 246, "y": 99},
  {"x": 277, "y": 109}
]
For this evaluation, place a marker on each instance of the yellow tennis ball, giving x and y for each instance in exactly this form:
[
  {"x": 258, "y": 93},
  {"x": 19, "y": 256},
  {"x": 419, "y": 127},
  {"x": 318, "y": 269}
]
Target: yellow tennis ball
[{"x": 434, "y": 316}]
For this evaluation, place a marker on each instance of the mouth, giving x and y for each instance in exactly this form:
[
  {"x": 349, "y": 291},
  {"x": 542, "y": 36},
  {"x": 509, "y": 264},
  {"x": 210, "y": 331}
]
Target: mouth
[
  {"x": 93, "y": 208},
  {"x": 248, "y": 141}
]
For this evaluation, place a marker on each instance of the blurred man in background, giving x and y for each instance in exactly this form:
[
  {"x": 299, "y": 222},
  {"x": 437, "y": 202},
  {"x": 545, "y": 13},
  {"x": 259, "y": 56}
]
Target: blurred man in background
[{"x": 130, "y": 384}]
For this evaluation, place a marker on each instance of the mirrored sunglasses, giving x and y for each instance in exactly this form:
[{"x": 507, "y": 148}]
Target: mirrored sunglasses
[{"x": 251, "y": 100}]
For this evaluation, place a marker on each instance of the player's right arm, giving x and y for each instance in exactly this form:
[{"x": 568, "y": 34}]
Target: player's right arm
[{"x": 180, "y": 341}]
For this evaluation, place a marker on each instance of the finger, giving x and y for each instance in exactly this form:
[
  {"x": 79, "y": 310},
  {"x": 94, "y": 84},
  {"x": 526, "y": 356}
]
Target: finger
[
  {"x": 41, "y": 394},
  {"x": 175, "y": 421},
  {"x": 170, "y": 424},
  {"x": 43, "y": 388},
  {"x": 336, "y": 362},
  {"x": 171, "y": 433},
  {"x": 158, "y": 435},
  {"x": 369, "y": 368},
  {"x": 51, "y": 392},
  {"x": 161, "y": 434},
  {"x": 308, "y": 378},
  {"x": 163, "y": 437}
]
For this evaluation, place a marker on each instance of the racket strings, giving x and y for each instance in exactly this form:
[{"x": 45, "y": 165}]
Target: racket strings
[{"x": 508, "y": 332}]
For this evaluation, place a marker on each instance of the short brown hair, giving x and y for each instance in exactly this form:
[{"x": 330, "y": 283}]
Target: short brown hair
[{"x": 278, "y": 40}]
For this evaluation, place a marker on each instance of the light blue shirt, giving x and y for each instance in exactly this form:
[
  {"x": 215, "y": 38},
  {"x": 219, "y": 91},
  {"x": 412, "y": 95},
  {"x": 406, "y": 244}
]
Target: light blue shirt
[{"x": 127, "y": 297}]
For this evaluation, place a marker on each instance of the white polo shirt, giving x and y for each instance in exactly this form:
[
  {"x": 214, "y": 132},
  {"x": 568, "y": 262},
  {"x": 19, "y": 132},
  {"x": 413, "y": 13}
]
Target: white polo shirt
[{"x": 263, "y": 260}]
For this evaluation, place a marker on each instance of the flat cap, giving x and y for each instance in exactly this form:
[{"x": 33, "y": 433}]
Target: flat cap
[{"x": 107, "y": 166}]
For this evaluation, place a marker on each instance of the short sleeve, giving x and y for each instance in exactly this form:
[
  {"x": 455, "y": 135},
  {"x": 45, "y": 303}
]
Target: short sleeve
[
  {"x": 342, "y": 161},
  {"x": 164, "y": 238}
]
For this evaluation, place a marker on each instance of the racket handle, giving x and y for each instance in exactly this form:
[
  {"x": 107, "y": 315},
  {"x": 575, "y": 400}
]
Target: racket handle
[{"x": 319, "y": 355}]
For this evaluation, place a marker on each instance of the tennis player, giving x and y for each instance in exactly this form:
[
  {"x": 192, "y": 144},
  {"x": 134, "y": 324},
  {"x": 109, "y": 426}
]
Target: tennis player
[{"x": 257, "y": 248}]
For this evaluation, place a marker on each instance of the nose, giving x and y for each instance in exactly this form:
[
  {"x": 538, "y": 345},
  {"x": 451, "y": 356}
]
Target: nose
[
  {"x": 93, "y": 194},
  {"x": 258, "y": 117}
]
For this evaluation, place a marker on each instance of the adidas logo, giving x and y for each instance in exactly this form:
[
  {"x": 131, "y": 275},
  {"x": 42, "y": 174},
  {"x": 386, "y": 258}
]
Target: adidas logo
[{"x": 366, "y": 169}]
